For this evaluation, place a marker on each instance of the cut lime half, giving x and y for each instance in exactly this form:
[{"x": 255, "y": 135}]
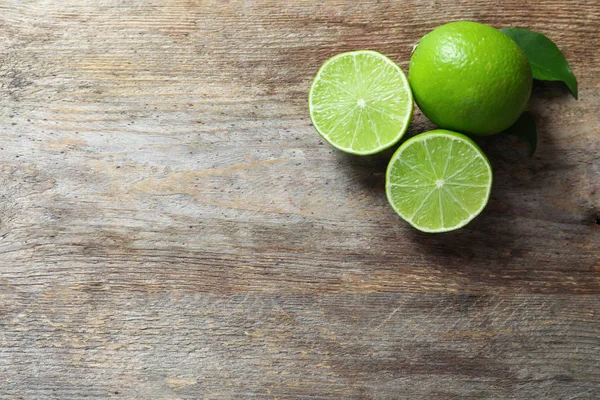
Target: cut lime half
[
  {"x": 438, "y": 181},
  {"x": 360, "y": 102}
]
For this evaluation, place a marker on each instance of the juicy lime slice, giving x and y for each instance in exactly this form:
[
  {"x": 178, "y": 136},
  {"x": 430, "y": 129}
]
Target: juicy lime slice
[
  {"x": 438, "y": 181},
  {"x": 360, "y": 102}
]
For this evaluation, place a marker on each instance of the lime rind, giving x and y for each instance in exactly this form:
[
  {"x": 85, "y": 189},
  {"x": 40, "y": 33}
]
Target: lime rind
[
  {"x": 470, "y": 77},
  {"x": 465, "y": 175},
  {"x": 370, "y": 134}
]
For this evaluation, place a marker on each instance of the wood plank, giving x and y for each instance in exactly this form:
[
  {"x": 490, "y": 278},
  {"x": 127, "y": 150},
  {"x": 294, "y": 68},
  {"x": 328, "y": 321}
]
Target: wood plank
[
  {"x": 123, "y": 344},
  {"x": 172, "y": 226}
]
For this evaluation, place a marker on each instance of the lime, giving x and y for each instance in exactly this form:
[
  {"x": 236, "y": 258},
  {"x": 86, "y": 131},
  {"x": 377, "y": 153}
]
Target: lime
[
  {"x": 360, "y": 102},
  {"x": 470, "y": 77},
  {"x": 438, "y": 181}
]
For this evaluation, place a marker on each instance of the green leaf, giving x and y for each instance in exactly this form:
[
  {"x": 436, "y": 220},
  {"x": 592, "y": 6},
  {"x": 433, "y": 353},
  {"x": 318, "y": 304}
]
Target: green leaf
[
  {"x": 525, "y": 129},
  {"x": 546, "y": 60}
]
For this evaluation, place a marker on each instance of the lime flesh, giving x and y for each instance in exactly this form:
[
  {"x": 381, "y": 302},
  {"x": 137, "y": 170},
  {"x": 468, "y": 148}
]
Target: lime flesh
[
  {"x": 438, "y": 181},
  {"x": 360, "y": 102}
]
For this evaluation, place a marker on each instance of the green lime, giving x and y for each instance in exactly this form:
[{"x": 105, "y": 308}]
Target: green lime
[
  {"x": 360, "y": 102},
  {"x": 438, "y": 181},
  {"x": 470, "y": 77}
]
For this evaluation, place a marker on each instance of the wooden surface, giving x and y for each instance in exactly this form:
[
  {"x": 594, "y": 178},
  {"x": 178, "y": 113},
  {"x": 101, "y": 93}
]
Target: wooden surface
[{"x": 172, "y": 227}]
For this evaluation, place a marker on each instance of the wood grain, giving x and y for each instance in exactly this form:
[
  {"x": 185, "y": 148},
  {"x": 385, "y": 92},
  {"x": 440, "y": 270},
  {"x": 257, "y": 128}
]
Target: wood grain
[{"x": 172, "y": 227}]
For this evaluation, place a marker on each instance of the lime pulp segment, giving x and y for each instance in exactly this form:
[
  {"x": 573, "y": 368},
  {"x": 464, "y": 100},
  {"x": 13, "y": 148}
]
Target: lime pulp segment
[
  {"x": 438, "y": 181},
  {"x": 360, "y": 102}
]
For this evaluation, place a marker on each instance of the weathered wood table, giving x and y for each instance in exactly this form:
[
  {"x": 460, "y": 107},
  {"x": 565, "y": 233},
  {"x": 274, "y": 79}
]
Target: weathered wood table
[{"x": 172, "y": 227}]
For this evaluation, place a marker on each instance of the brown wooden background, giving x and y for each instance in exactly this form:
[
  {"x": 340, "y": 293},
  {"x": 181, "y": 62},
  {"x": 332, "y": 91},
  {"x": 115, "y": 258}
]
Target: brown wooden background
[{"x": 171, "y": 226}]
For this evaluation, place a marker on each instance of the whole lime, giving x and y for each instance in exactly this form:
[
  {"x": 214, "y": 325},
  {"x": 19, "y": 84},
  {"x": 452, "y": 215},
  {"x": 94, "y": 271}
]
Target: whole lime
[{"x": 470, "y": 77}]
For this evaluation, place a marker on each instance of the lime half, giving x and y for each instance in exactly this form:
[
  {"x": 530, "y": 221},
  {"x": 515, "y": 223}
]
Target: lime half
[
  {"x": 438, "y": 181},
  {"x": 360, "y": 102}
]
